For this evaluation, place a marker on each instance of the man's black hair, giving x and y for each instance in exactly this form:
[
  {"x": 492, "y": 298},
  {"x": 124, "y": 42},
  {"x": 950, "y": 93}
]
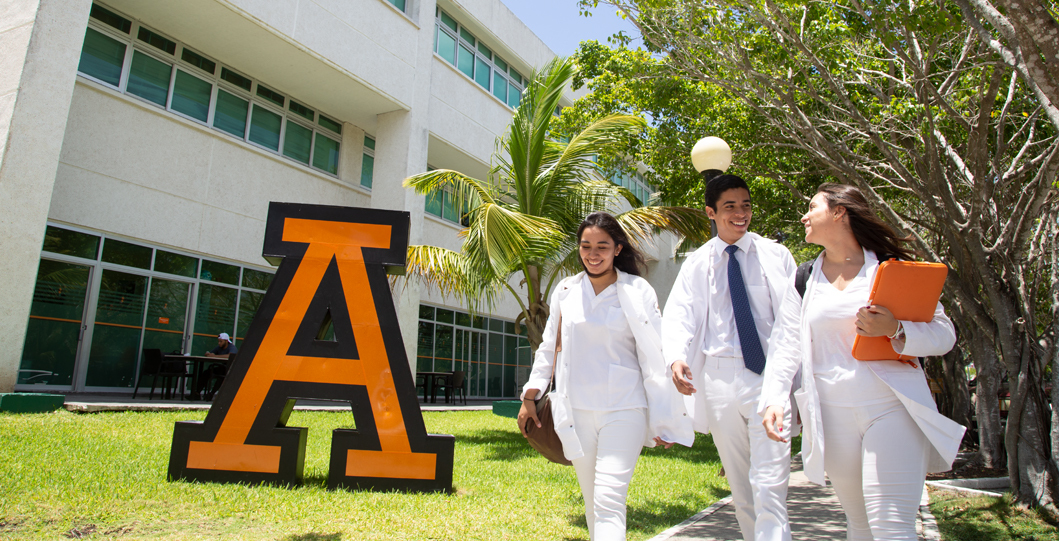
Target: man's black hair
[{"x": 720, "y": 184}]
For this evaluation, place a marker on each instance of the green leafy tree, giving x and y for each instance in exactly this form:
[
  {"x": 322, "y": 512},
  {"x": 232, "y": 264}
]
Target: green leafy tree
[
  {"x": 680, "y": 111},
  {"x": 522, "y": 221}
]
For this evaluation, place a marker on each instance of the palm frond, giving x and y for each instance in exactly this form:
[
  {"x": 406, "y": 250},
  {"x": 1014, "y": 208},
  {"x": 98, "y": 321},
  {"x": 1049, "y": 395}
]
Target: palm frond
[
  {"x": 451, "y": 273},
  {"x": 568, "y": 264},
  {"x": 643, "y": 222},
  {"x": 577, "y": 158},
  {"x": 467, "y": 192},
  {"x": 526, "y": 143},
  {"x": 502, "y": 237}
]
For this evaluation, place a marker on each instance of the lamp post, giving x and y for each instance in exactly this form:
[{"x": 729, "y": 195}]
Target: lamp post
[{"x": 711, "y": 156}]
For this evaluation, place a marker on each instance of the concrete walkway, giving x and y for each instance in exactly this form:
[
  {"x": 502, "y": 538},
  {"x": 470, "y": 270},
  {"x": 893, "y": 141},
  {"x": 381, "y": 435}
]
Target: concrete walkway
[{"x": 814, "y": 514}]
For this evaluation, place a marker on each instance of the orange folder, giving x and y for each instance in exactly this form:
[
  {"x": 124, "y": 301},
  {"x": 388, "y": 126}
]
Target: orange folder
[{"x": 909, "y": 289}]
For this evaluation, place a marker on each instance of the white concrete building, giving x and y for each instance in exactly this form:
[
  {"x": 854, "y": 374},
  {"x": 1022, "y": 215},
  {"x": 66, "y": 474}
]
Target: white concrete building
[{"x": 142, "y": 141}]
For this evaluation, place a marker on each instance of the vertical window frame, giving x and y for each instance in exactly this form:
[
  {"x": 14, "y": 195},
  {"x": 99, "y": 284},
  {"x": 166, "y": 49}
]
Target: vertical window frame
[{"x": 368, "y": 152}]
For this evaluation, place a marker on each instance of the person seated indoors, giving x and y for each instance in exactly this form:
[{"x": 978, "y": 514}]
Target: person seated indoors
[
  {"x": 216, "y": 371},
  {"x": 224, "y": 348}
]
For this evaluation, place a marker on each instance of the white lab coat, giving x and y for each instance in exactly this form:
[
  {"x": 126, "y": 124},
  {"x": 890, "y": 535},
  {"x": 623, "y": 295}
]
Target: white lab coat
[
  {"x": 684, "y": 324},
  {"x": 666, "y": 416},
  {"x": 909, "y": 384}
]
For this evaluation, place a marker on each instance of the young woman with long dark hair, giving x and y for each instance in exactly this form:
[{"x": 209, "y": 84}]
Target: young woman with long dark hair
[
  {"x": 612, "y": 395},
  {"x": 871, "y": 426}
]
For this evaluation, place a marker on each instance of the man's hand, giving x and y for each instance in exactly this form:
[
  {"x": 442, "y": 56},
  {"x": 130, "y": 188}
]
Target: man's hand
[
  {"x": 774, "y": 423},
  {"x": 682, "y": 378},
  {"x": 663, "y": 443},
  {"x": 209, "y": 354}
]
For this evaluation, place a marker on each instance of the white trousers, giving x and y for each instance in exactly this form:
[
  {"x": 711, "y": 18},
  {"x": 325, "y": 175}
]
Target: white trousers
[
  {"x": 758, "y": 469},
  {"x": 876, "y": 458},
  {"x": 612, "y": 441}
]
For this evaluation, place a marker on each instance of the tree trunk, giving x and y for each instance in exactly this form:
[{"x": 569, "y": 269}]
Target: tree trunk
[
  {"x": 988, "y": 378},
  {"x": 1037, "y": 474},
  {"x": 536, "y": 315}
]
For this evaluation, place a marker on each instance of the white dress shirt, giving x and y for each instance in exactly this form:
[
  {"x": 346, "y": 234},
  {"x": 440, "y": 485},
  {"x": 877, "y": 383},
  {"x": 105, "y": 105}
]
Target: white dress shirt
[
  {"x": 841, "y": 380},
  {"x": 604, "y": 371},
  {"x": 722, "y": 338}
]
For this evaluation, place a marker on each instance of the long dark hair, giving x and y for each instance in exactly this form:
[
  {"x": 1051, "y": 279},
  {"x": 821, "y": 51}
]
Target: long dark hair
[
  {"x": 869, "y": 230},
  {"x": 629, "y": 260}
]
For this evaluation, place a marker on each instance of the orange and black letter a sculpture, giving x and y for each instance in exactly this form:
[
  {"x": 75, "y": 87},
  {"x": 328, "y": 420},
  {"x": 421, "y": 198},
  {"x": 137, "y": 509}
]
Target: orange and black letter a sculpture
[{"x": 333, "y": 273}]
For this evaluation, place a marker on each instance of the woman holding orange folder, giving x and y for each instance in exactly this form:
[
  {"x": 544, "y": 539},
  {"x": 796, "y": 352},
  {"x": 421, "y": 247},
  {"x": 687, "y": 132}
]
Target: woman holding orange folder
[{"x": 872, "y": 426}]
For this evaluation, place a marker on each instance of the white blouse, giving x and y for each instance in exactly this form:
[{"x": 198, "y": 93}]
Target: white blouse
[
  {"x": 604, "y": 370},
  {"x": 841, "y": 380}
]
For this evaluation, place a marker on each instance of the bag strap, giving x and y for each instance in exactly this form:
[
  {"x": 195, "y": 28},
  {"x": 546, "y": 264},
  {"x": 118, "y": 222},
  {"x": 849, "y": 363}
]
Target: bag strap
[
  {"x": 558, "y": 348},
  {"x": 801, "y": 276}
]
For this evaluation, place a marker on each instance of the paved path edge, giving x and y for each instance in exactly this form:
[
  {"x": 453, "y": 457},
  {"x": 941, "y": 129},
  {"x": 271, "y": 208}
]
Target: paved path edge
[
  {"x": 928, "y": 524},
  {"x": 694, "y": 518}
]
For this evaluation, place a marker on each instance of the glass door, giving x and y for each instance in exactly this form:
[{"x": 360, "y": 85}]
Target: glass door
[
  {"x": 134, "y": 312},
  {"x": 476, "y": 368},
  {"x": 56, "y": 324},
  {"x": 167, "y": 311},
  {"x": 214, "y": 313},
  {"x": 117, "y": 330}
]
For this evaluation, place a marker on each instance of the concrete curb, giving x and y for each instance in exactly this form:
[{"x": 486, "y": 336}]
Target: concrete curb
[
  {"x": 928, "y": 525},
  {"x": 967, "y": 490},
  {"x": 717, "y": 505},
  {"x": 981, "y": 483}
]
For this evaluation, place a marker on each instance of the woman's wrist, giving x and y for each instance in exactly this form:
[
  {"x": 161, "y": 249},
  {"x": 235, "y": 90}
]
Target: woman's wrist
[{"x": 899, "y": 334}]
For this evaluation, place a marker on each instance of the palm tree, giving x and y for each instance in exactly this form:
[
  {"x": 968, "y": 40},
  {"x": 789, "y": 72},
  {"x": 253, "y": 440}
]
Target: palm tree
[{"x": 524, "y": 220}]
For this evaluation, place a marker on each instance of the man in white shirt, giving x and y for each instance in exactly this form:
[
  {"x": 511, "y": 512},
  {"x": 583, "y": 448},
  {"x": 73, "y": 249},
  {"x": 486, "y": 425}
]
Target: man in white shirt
[{"x": 718, "y": 331}]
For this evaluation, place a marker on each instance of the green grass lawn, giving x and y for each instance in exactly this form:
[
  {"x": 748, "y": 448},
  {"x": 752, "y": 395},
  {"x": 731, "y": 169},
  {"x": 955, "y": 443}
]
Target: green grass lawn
[
  {"x": 65, "y": 475},
  {"x": 986, "y": 518}
]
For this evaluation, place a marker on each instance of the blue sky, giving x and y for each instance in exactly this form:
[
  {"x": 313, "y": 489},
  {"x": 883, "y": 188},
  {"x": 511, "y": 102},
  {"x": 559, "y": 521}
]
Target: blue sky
[{"x": 558, "y": 24}]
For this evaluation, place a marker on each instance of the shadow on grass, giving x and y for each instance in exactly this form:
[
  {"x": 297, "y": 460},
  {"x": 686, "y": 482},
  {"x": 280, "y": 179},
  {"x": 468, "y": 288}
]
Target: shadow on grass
[
  {"x": 313, "y": 536},
  {"x": 507, "y": 445},
  {"x": 654, "y": 515},
  {"x": 315, "y": 480},
  {"x": 657, "y": 515},
  {"x": 500, "y": 444},
  {"x": 702, "y": 451}
]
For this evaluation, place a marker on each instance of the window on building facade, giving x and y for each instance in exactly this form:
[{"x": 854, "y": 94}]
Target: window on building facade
[
  {"x": 495, "y": 357},
  {"x": 399, "y": 4},
  {"x": 460, "y": 48},
  {"x": 145, "y": 297},
  {"x": 367, "y": 166},
  {"x": 444, "y": 205},
  {"x": 132, "y": 58},
  {"x": 635, "y": 183}
]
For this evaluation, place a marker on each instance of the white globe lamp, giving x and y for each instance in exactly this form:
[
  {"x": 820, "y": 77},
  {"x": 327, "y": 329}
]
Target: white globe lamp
[{"x": 711, "y": 156}]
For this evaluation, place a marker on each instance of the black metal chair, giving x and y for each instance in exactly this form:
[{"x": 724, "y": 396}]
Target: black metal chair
[
  {"x": 421, "y": 383},
  {"x": 456, "y": 383},
  {"x": 214, "y": 375},
  {"x": 173, "y": 373}
]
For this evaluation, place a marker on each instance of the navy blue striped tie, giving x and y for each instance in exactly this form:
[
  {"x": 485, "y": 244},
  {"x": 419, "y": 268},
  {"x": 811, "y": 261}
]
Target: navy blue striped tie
[{"x": 753, "y": 356}]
